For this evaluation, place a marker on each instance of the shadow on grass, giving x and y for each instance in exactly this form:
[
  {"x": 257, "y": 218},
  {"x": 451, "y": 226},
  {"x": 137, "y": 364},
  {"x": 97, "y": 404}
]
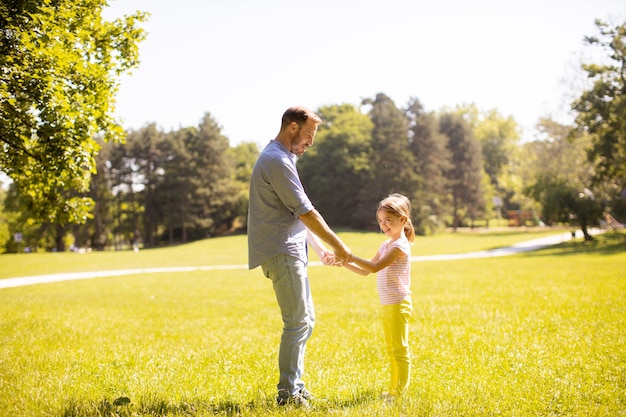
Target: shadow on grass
[
  {"x": 157, "y": 406},
  {"x": 609, "y": 243}
]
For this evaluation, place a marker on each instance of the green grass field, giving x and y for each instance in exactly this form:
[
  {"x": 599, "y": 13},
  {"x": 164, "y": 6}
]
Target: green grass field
[
  {"x": 233, "y": 251},
  {"x": 535, "y": 334}
]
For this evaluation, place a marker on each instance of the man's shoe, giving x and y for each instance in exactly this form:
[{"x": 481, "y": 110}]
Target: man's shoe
[
  {"x": 306, "y": 394},
  {"x": 297, "y": 400}
]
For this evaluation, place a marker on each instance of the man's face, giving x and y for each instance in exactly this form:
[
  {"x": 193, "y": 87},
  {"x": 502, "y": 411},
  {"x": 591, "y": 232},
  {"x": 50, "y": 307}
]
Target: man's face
[{"x": 303, "y": 137}]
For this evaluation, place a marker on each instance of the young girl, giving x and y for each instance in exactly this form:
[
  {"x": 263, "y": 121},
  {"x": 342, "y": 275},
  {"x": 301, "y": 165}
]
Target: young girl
[{"x": 392, "y": 263}]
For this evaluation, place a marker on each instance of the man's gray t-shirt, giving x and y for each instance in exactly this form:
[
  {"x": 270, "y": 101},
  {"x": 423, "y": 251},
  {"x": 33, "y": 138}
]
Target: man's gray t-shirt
[{"x": 277, "y": 199}]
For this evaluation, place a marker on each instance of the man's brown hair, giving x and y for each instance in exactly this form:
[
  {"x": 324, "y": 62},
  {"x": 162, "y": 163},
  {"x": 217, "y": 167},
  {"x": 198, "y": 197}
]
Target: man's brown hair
[{"x": 299, "y": 115}]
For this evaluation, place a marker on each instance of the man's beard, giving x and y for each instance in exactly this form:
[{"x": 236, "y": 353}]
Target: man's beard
[{"x": 294, "y": 147}]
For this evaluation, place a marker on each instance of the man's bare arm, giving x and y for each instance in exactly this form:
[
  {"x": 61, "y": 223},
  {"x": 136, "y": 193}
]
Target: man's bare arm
[{"x": 314, "y": 221}]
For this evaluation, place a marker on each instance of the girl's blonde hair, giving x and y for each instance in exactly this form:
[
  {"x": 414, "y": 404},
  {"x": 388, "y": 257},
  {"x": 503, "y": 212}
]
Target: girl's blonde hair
[{"x": 400, "y": 206}]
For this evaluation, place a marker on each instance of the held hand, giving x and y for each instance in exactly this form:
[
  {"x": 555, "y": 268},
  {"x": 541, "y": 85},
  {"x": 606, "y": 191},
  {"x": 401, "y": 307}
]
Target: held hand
[
  {"x": 328, "y": 258},
  {"x": 343, "y": 254}
]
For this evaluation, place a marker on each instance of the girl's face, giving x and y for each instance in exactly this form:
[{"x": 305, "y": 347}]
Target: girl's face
[{"x": 390, "y": 224}]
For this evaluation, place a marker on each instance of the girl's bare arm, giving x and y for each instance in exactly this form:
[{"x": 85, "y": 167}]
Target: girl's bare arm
[{"x": 376, "y": 264}]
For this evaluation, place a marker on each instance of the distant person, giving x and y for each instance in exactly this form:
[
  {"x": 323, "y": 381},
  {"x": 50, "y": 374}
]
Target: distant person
[
  {"x": 280, "y": 218},
  {"x": 392, "y": 263}
]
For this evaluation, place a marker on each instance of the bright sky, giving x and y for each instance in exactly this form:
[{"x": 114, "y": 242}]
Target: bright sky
[{"x": 246, "y": 61}]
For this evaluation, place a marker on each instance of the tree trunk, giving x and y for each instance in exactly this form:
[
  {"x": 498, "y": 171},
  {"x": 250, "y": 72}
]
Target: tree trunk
[
  {"x": 583, "y": 227},
  {"x": 60, "y": 238}
]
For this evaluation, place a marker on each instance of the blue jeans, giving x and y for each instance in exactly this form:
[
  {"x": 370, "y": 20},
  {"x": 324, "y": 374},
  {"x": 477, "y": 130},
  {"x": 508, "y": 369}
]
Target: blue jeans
[{"x": 293, "y": 293}]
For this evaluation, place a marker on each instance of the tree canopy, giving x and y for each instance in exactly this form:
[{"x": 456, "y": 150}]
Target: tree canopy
[
  {"x": 601, "y": 109},
  {"x": 333, "y": 170},
  {"x": 465, "y": 172},
  {"x": 59, "y": 63},
  {"x": 560, "y": 176}
]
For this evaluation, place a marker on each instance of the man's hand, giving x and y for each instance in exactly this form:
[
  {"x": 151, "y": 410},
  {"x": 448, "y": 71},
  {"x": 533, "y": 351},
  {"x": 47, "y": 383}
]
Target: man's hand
[
  {"x": 343, "y": 254},
  {"x": 317, "y": 225}
]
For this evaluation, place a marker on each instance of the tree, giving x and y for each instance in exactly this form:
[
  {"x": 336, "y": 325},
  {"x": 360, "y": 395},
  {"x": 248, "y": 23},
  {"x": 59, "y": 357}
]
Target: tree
[
  {"x": 59, "y": 63},
  {"x": 336, "y": 171},
  {"x": 17, "y": 216},
  {"x": 214, "y": 194},
  {"x": 432, "y": 161},
  {"x": 393, "y": 162},
  {"x": 498, "y": 136},
  {"x": 145, "y": 154},
  {"x": 4, "y": 226},
  {"x": 244, "y": 156},
  {"x": 465, "y": 175},
  {"x": 173, "y": 190},
  {"x": 96, "y": 232},
  {"x": 561, "y": 176},
  {"x": 601, "y": 110}
]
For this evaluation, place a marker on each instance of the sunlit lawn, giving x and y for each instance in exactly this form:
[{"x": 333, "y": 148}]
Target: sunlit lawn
[
  {"x": 537, "y": 334},
  {"x": 233, "y": 251}
]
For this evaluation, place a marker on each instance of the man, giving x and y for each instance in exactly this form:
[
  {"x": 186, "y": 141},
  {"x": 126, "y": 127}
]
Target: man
[{"x": 280, "y": 217}]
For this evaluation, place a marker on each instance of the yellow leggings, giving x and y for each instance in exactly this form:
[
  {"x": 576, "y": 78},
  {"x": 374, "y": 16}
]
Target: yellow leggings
[{"x": 396, "y": 325}]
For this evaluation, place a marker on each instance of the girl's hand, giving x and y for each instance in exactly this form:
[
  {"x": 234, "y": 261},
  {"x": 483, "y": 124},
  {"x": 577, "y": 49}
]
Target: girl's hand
[{"x": 328, "y": 258}]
